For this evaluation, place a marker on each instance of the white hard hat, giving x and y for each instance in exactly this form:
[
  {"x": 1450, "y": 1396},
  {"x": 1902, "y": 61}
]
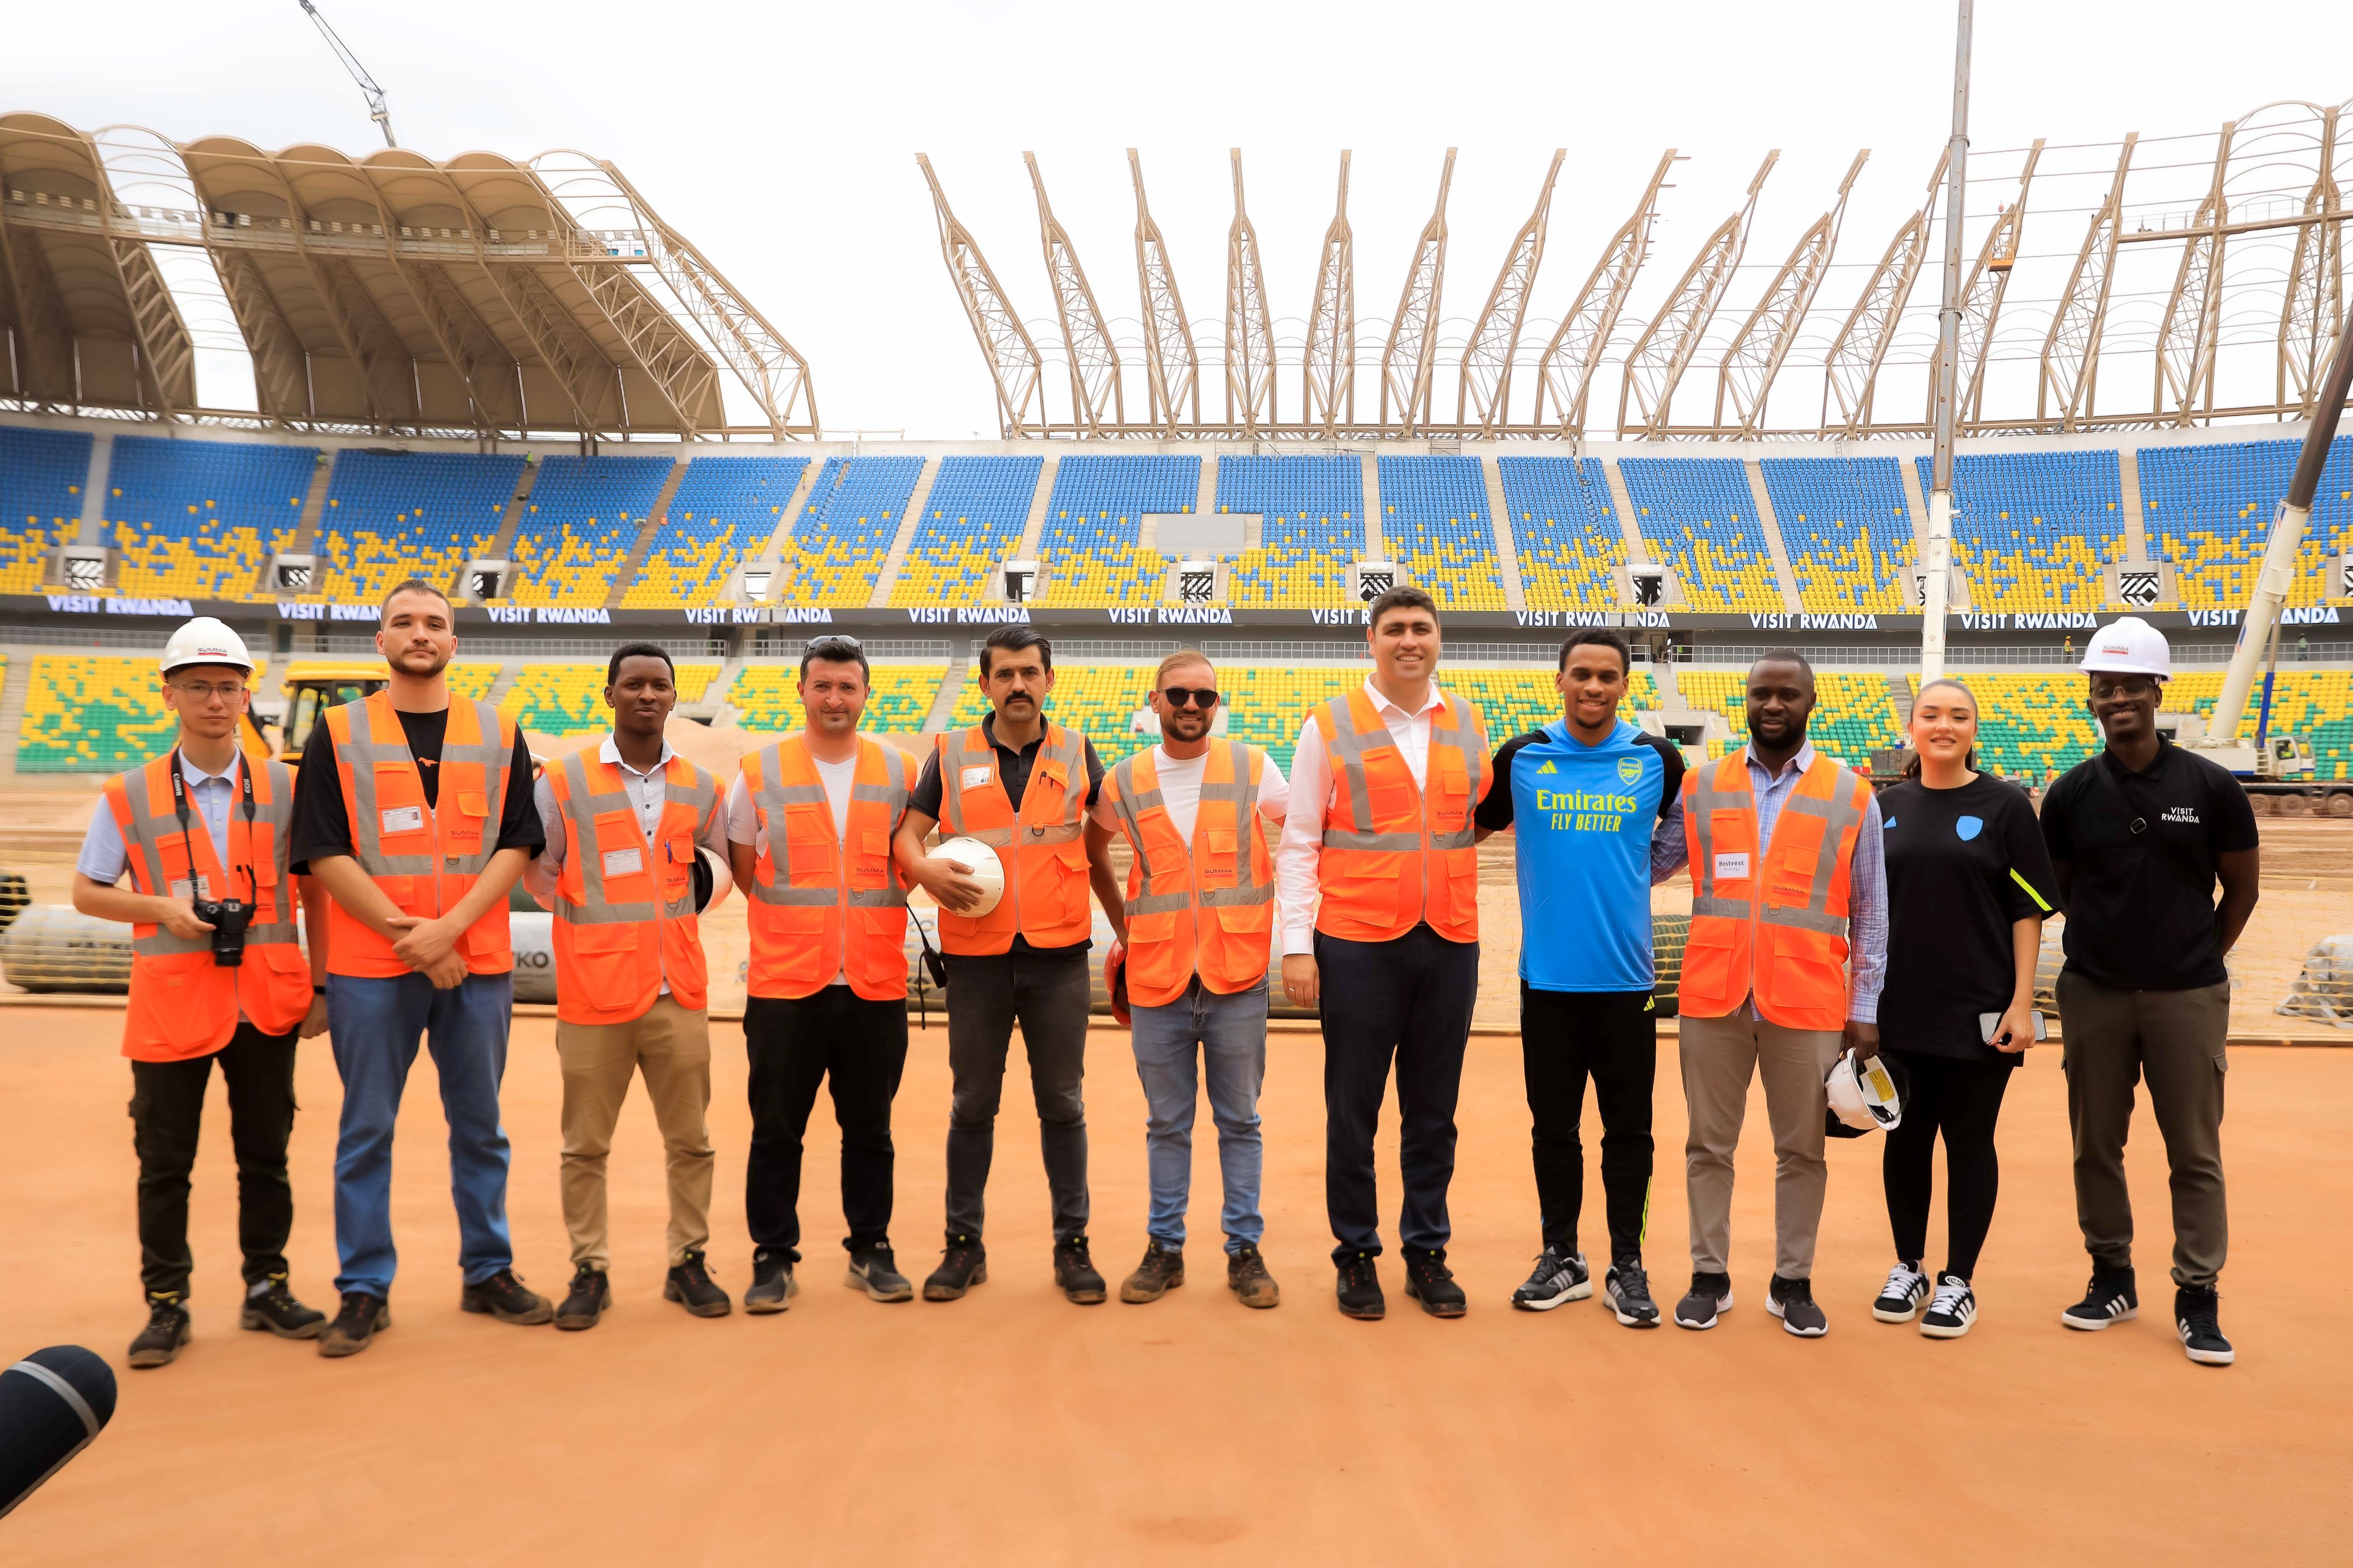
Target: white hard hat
[
  {"x": 987, "y": 869},
  {"x": 2129, "y": 647},
  {"x": 205, "y": 641},
  {"x": 1863, "y": 1095}
]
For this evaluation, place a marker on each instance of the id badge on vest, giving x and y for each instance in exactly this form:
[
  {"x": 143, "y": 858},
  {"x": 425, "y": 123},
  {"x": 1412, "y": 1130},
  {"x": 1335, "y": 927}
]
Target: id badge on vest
[
  {"x": 403, "y": 819},
  {"x": 976, "y": 776},
  {"x": 1733, "y": 867},
  {"x": 626, "y": 862},
  {"x": 200, "y": 887}
]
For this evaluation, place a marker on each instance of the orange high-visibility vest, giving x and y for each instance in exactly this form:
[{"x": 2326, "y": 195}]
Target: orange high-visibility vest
[
  {"x": 624, "y": 908},
  {"x": 184, "y": 1004},
  {"x": 1770, "y": 926},
  {"x": 1205, "y": 908},
  {"x": 425, "y": 857},
  {"x": 1396, "y": 854},
  {"x": 1043, "y": 849},
  {"x": 821, "y": 907}
]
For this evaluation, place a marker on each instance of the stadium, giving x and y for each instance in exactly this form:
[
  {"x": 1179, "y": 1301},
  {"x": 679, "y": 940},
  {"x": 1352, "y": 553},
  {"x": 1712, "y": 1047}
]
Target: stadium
[{"x": 511, "y": 376}]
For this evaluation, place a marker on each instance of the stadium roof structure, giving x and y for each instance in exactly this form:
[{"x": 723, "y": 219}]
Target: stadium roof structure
[{"x": 392, "y": 294}]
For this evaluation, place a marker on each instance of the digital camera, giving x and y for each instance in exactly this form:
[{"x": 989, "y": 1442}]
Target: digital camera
[{"x": 229, "y": 918}]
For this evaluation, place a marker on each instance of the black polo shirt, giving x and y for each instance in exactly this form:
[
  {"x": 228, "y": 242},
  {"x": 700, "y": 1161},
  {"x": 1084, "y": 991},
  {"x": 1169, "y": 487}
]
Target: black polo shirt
[
  {"x": 2140, "y": 907},
  {"x": 1013, "y": 769}
]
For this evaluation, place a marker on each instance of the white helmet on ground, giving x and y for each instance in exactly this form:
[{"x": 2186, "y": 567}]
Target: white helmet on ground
[
  {"x": 2129, "y": 645},
  {"x": 1865, "y": 1096},
  {"x": 205, "y": 641}
]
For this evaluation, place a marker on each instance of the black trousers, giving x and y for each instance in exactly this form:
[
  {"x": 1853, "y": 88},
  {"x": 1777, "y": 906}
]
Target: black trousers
[
  {"x": 1612, "y": 1038},
  {"x": 167, "y": 1109},
  {"x": 1408, "y": 999},
  {"x": 1047, "y": 993},
  {"x": 1961, "y": 1099},
  {"x": 858, "y": 1049}
]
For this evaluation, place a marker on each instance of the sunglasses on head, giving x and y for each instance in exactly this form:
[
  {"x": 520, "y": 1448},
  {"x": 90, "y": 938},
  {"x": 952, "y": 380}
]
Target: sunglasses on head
[{"x": 1190, "y": 695}]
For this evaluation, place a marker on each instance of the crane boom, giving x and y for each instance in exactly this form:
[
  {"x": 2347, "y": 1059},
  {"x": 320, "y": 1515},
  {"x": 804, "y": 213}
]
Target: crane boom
[{"x": 378, "y": 110}]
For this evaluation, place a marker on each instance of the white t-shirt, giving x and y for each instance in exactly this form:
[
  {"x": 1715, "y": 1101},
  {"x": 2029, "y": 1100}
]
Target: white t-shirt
[
  {"x": 1180, "y": 792},
  {"x": 744, "y": 819}
]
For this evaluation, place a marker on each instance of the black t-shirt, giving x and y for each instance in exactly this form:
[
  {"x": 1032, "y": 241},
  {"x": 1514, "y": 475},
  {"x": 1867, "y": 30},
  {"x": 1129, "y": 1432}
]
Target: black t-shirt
[
  {"x": 1013, "y": 769},
  {"x": 322, "y": 827},
  {"x": 1962, "y": 866},
  {"x": 1495, "y": 813},
  {"x": 2140, "y": 906}
]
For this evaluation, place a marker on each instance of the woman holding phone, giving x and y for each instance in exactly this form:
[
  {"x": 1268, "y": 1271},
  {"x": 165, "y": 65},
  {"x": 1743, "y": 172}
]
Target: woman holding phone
[{"x": 1968, "y": 886}]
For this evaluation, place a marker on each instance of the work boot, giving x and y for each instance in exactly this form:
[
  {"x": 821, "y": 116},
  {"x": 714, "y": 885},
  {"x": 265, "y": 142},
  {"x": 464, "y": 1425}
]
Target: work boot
[
  {"x": 1247, "y": 1278},
  {"x": 963, "y": 1263},
  {"x": 269, "y": 1306},
  {"x": 1074, "y": 1271},
  {"x": 362, "y": 1316},
  {"x": 505, "y": 1295},
  {"x": 690, "y": 1285},
  {"x": 1431, "y": 1282},
  {"x": 1360, "y": 1289},
  {"x": 1161, "y": 1270},
  {"x": 773, "y": 1286},
  {"x": 167, "y": 1330},
  {"x": 875, "y": 1270},
  {"x": 586, "y": 1302}
]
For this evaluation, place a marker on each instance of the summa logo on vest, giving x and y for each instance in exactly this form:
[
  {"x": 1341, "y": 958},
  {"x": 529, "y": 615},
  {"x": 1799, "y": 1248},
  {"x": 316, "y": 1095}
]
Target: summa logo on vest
[
  {"x": 94, "y": 605},
  {"x": 2184, "y": 816},
  {"x": 1161, "y": 616}
]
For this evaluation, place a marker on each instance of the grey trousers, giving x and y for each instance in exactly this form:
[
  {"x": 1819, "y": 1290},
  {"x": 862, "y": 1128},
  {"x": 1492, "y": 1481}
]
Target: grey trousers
[
  {"x": 1719, "y": 1055},
  {"x": 2175, "y": 1040}
]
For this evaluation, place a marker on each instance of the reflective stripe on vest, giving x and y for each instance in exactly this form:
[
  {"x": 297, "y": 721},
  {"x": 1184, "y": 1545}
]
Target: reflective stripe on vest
[{"x": 836, "y": 926}]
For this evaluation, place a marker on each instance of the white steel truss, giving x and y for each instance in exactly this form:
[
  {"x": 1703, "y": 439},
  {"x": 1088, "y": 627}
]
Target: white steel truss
[
  {"x": 1172, "y": 367},
  {"x": 1328, "y": 372},
  {"x": 1095, "y": 396},
  {"x": 1005, "y": 343},
  {"x": 1764, "y": 340},
  {"x": 1249, "y": 327},
  {"x": 1412, "y": 350},
  {"x": 1566, "y": 373},
  {"x": 1483, "y": 396},
  {"x": 2185, "y": 343},
  {"x": 1861, "y": 346},
  {"x": 2069, "y": 387},
  {"x": 1667, "y": 345},
  {"x": 2315, "y": 302},
  {"x": 1981, "y": 295}
]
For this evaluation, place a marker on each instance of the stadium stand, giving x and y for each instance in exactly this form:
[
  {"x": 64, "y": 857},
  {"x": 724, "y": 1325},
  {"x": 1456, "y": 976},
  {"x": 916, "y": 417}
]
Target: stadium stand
[
  {"x": 1853, "y": 711},
  {"x": 725, "y": 509},
  {"x": 1566, "y": 532},
  {"x": 41, "y": 476},
  {"x": 2315, "y": 705},
  {"x": 1698, "y": 514},
  {"x": 93, "y": 713},
  {"x": 2032, "y": 724},
  {"x": 1434, "y": 525},
  {"x": 972, "y": 520},
  {"x": 843, "y": 534},
  {"x": 1092, "y": 549},
  {"x": 2034, "y": 530},
  {"x": 1310, "y": 530},
  {"x": 569, "y": 698},
  {"x": 1100, "y": 699},
  {"x": 396, "y": 515},
  {"x": 1846, "y": 529},
  {"x": 2209, "y": 509},
  {"x": 766, "y": 699},
  {"x": 195, "y": 519},
  {"x": 583, "y": 519}
]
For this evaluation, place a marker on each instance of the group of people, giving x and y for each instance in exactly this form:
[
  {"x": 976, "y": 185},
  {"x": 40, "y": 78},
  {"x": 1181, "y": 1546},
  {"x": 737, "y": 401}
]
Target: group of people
[{"x": 1893, "y": 934}]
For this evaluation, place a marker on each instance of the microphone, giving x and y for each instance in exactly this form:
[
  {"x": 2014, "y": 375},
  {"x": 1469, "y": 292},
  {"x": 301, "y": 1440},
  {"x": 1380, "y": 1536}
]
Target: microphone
[{"x": 51, "y": 1405}]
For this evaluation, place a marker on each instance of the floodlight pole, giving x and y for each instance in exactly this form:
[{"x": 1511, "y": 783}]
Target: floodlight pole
[{"x": 1939, "y": 568}]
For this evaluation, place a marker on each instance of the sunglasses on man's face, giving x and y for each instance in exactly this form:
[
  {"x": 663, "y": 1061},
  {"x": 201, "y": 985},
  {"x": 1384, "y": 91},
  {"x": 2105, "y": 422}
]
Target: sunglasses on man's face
[{"x": 1190, "y": 695}]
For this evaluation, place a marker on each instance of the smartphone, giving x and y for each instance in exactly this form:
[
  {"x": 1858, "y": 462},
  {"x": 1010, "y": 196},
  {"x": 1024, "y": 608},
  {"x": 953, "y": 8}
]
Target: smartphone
[{"x": 1988, "y": 1022}]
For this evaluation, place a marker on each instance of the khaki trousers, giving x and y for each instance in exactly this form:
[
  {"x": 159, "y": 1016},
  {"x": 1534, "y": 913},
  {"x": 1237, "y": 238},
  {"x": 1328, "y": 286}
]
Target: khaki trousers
[
  {"x": 671, "y": 1046},
  {"x": 1719, "y": 1056}
]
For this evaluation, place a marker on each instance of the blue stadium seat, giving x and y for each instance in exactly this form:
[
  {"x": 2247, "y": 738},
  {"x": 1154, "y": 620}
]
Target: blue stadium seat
[
  {"x": 197, "y": 519},
  {"x": 1697, "y": 513},
  {"x": 1091, "y": 549},
  {"x": 2208, "y": 509},
  {"x": 396, "y": 515},
  {"x": 583, "y": 519},
  {"x": 972, "y": 520},
  {"x": 2034, "y": 530},
  {"x": 1434, "y": 525},
  {"x": 1846, "y": 528},
  {"x": 725, "y": 509},
  {"x": 1311, "y": 528},
  {"x": 1565, "y": 530},
  {"x": 41, "y": 476}
]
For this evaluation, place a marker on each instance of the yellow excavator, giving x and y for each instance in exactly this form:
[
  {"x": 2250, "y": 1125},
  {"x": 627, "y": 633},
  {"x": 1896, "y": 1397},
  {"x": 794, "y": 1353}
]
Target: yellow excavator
[{"x": 312, "y": 687}]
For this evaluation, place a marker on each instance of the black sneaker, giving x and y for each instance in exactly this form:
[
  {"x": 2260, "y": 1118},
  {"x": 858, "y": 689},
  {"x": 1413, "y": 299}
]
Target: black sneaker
[
  {"x": 1431, "y": 1282},
  {"x": 2108, "y": 1298},
  {"x": 1627, "y": 1288},
  {"x": 2197, "y": 1319},
  {"x": 875, "y": 1270},
  {"x": 505, "y": 1295},
  {"x": 362, "y": 1318},
  {"x": 964, "y": 1264},
  {"x": 1792, "y": 1302},
  {"x": 1161, "y": 1270},
  {"x": 1559, "y": 1277},
  {"x": 1710, "y": 1294},
  {"x": 167, "y": 1330},
  {"x": 271, "y": 1308},
  {"x": 1952, "y": 1310},
  {"x": 1899, "y": 1299},
  {"x": 1360, "y": 1289},
  {"x": 773, "y": 1286},
  {"x": 1247, "y": 1278},
  {"x": 584, "y": 1303},
  {"x": 690, "y": 1286},
  {"x": 1074, "y": 1271}
]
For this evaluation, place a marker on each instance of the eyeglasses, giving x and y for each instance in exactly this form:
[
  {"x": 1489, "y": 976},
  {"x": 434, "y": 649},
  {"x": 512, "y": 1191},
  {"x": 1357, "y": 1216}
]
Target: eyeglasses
[
  {"x": 1190, "y": 695},
  {"x": 197, "y": 691}
]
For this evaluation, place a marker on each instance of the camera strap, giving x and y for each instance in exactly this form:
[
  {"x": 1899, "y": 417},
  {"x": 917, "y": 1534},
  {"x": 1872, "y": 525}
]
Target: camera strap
[{"x": 180, "y": 809}]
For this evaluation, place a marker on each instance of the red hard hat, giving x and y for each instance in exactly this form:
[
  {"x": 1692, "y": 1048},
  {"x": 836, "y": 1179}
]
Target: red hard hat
[{"x": 1116, "y": 981}]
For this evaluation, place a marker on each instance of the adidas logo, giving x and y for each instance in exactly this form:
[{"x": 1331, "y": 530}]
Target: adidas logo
[{"x": 1548, "y": 768}]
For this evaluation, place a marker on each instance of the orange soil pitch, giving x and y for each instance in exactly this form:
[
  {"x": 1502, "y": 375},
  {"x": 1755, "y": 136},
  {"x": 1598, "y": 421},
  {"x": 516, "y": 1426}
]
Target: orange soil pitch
[{"x": 1013, "y": 1426}]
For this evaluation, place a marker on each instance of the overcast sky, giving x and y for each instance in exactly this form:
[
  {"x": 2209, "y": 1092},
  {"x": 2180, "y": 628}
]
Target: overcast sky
[{"x": 782, "y": 138}]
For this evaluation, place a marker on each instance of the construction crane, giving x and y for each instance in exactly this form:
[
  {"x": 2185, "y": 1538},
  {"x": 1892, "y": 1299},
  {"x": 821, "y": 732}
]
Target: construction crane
[{"x": 378, "y": 110}]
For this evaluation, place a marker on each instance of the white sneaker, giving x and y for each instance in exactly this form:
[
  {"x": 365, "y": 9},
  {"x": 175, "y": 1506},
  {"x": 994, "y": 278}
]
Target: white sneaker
[
  {"x": 1948, "y": 1316},
  {"x": 1900, "y": 1298}
]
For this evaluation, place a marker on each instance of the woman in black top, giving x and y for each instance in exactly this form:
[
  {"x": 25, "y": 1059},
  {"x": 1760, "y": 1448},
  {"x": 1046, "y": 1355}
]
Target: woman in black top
[{"x": 1969, "y": 884}]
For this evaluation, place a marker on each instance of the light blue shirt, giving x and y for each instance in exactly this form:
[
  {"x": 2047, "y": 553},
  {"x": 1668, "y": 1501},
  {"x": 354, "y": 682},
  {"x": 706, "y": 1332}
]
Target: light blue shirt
[
  {"x": 1866, "y": 911},
  {"x": 210, "y": 795}
]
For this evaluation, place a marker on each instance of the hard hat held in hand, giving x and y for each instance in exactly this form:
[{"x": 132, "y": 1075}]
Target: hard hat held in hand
[
  {"x": 2129, "y": 645},
  {"x": 987, "y": 869},
  {"x": 205, "y": 641},
  {"x": 1865, "y": 1096},
  {"x": 1116, "y": 981}
]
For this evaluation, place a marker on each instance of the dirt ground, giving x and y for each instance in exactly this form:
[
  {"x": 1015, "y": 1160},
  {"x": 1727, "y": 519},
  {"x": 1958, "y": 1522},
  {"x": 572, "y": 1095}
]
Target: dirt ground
[{"x": 1014, "y": 1427}]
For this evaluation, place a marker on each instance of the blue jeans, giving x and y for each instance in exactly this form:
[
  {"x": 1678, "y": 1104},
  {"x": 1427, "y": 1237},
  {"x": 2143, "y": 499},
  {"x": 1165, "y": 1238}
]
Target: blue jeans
[
  {"x": 1231, "y": 1035},
  {"x": 376, "y": 1024}
]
